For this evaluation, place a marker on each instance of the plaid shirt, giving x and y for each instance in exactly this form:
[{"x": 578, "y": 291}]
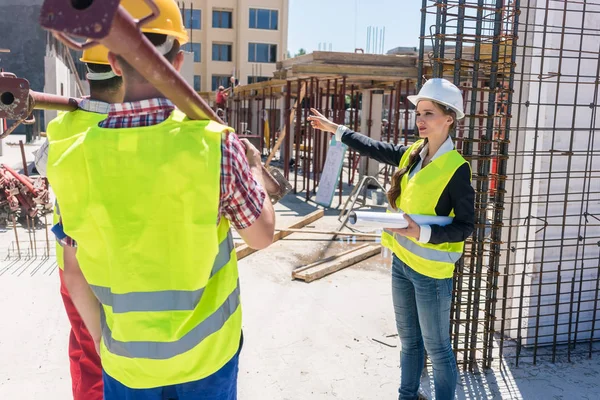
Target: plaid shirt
[{"x": 242, "y": 197}]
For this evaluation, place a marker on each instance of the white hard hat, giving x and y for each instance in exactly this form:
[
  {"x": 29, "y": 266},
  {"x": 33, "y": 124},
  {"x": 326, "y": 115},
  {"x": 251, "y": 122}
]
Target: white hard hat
[{"x": 443, "y": 92}]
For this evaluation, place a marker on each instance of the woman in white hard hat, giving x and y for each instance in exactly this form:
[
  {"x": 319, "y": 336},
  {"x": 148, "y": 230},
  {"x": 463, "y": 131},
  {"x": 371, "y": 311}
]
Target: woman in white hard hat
[{"x": 432, "y": 179}]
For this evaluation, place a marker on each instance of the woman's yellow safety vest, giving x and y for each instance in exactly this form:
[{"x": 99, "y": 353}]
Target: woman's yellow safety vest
[
  {"x": 144, "y": 215},
  {"x": 420, "y": 196},
  {"x": 62, "y": 127}
]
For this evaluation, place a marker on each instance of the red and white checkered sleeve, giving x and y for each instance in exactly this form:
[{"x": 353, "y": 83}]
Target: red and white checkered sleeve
[{"x": 242, "y": 197}]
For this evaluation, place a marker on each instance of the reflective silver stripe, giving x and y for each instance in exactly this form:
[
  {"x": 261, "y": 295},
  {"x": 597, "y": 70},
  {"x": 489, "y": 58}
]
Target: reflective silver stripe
[
  {"x": 166, "y": 300},
  {"x": 424, "y": 252},
  {"x": 166, "y": 350}
]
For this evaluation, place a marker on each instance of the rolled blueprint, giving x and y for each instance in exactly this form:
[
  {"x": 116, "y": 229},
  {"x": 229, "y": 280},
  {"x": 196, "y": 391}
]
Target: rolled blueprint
[{"x": 394, "y": 220}]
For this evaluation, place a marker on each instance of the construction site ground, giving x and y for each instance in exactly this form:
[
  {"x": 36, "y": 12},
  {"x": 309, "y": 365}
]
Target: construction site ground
[{"x": 331, "y": 338}]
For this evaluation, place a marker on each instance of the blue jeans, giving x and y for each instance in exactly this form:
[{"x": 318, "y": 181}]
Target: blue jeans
[
  {"x": 422, "y": 306},
  {"x": 222, "y": 385}
]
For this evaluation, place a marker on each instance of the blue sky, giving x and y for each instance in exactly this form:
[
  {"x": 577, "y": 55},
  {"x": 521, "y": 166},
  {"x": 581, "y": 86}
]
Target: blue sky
[{"x": 333, "y": 21}]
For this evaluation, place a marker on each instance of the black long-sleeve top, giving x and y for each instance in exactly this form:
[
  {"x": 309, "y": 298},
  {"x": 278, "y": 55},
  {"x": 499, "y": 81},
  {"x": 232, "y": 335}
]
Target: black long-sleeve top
[{"x": 458, "y": 194}]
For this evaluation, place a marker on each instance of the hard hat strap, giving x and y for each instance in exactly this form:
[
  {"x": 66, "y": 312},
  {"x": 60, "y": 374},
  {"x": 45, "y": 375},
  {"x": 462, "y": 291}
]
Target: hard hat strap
[
  {"x": 167, "y": 46},
  {"x": 100, "y": 76}
]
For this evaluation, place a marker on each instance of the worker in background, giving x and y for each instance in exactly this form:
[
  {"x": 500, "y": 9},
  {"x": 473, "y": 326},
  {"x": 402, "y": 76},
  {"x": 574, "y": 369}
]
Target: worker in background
[
  {"x": 105, "y": 88},
  {"x": 158, "y": 280},
  {"x": 432, "y": 179},
  {"x": 223, "y": 94}
]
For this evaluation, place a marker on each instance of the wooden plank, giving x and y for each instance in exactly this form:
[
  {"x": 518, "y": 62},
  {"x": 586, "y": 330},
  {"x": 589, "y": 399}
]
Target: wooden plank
[
  {"x": 337, "y": 233},
  {"x": 303, "y": 59},
  {"x": 283, "y": 131},
  {"x": 331, "y": 57},
  {"x": 323, "y": 269},
  {"x": 245, "y": 250},
  {"x": 354, "y": 70},
  {"x": 328, "y": 259}
]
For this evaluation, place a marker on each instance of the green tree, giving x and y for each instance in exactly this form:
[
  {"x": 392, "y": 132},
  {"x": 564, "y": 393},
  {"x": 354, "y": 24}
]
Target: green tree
[{"x": 300, "y": 52}]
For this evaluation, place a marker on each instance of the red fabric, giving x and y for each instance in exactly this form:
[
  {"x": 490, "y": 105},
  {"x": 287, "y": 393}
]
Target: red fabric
[
  {"x": 86, "y": 369},
  {"x": 222, "y": 99}
]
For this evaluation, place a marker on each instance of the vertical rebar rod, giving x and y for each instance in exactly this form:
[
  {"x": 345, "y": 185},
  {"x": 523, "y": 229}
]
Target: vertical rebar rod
[
  {"x": 305, "y": 130},
  {"x": 288, "y": 132},
  {"x": 399, "y": 96},
  {"x": 483, "y": 170},
  {"x": 468, "y": 145},
  {"x": 318, "y": 137},
  {"x": 23, "y": 158},
  {"x": 14, "y": 221},
  {"x": 297, "y": 137},
  {"x": 532, "y": 177},
  {"x": 441, "y": 39},
  {"x": 341, "y": 121},
  {"x": 369, "y": 126},
  {"x": 503, "y": 151},
  {"x": 308, "y": 131},
  {"x": 351, "y": 122},
  {"x": 420, "y": 66},
  {"x": 460, "y": 29},
  {"x": 406, "y": 110},
  {"x": 594, "y": 313},
  {"x": 588, "y": 168}
]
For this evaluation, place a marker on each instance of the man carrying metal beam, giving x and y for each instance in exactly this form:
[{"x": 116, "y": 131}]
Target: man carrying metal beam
[
  {"x": 156, "y": 194},
  {"x": 105, "y": 88}
]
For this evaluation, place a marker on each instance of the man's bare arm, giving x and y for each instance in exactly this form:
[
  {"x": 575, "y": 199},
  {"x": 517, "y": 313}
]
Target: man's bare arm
[
  {"x": 260, "y": 234},
  {"x": 81, "y": 294}
]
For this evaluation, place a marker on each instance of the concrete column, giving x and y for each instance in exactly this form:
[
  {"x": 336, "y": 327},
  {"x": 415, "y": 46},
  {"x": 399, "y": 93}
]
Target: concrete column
[{"x": 371, "y": 112}]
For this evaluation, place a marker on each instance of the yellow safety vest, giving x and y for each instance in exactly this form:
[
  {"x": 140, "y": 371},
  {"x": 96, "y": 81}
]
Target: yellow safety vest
[
  {"x": 420, "y": 196},
  {"x": 62, "y": 127},
  {"x": 145, "y": 220}
]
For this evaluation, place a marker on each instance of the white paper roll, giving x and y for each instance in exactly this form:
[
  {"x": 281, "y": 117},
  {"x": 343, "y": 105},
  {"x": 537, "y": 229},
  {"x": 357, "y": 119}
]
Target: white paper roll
[{"x": 395, "y": 220}]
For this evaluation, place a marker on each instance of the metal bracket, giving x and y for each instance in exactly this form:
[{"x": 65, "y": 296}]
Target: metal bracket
[
  {"x": 91, "y": 19},
  {"x": 284, "y": 185},
  {"x": 83, "y": 18},
  {"x": 14, "y": 97}
]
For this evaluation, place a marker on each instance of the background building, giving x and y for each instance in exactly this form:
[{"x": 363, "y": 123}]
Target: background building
[{"x": 235, "y": 37}]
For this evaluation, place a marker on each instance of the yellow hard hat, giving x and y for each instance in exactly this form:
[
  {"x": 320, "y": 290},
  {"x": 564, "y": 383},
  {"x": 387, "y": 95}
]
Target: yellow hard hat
[
  {"x": 168, "y": 23},
  {"x": 96, "y": 55}
]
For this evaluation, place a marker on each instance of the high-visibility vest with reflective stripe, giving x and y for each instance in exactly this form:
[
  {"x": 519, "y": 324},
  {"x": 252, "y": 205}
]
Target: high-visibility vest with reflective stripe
[
  {"x": 420, "y": 196},
  {"x": 62, "y": 127},
  {"x": 145, "y": 220}
]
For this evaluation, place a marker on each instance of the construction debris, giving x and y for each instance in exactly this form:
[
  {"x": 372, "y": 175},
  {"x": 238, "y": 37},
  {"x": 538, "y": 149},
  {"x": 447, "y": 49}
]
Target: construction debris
[{"x": 22, "y": 195}]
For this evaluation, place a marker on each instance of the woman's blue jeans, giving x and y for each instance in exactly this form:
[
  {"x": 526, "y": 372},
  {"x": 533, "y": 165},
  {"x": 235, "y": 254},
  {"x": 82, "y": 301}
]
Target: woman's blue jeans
[{"x": 422, "y": 306}]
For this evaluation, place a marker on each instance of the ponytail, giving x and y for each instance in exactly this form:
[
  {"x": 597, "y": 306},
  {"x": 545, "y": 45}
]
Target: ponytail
[{"x": 394, "y": 191}]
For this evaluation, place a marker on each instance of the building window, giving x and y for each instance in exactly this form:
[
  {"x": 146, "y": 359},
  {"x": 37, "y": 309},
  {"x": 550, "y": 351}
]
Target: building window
[
  {"x": 220, "y": 80},
  {"x": 192, "y": 19},
  {"x": 263, "y": 19},
  {"x": 221, "y": 52},
  {"x": 262, "y": 52},
  {"x": 255, "y": 79},
  {"x": 222, "y": 19},
  {"x": 194, "y": 48},
  {"x": 197, "y": 83}
]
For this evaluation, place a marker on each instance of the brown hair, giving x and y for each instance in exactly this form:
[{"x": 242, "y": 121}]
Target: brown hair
[{"x": 395, "y": 189}]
